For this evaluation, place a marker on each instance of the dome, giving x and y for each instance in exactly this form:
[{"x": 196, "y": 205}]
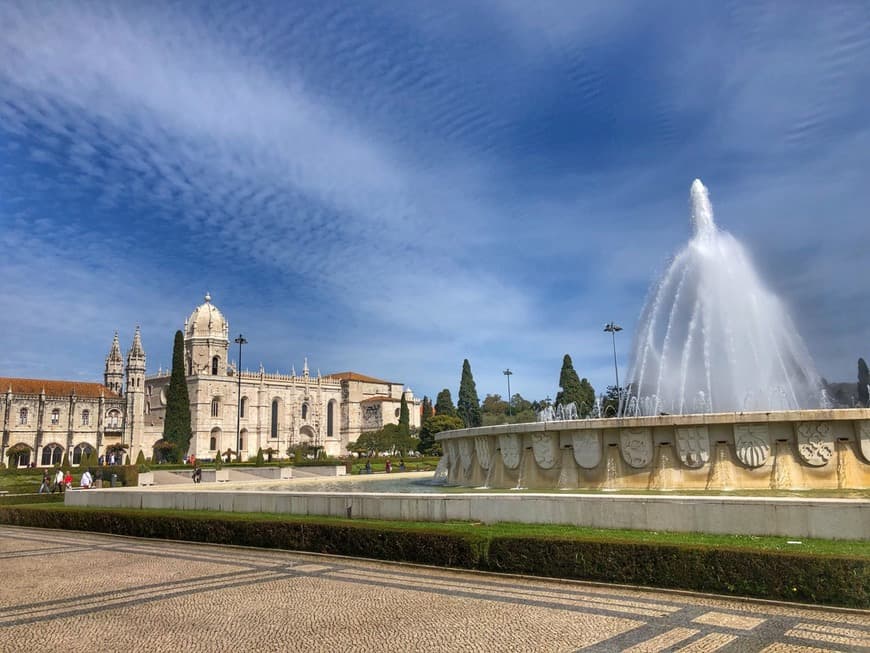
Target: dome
[{"x": 206, "y": 321}]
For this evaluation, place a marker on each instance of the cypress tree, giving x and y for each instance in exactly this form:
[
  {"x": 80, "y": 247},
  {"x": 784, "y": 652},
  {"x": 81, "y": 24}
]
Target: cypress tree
[
  {"x": 258, "y": 462},
  {"x": 863, "y": 381},
  {"x": 140, "y": 459},
  {"x": 468, "y": 405},
  {"x": 587, "y": 397},
  {"x": 571, "y": 390},
  {"x": 426, "y": 410},
  {"x": 404, "y": 417},
  {"x": 444, "y": 403},
  {"x": 176, "y": 427}
]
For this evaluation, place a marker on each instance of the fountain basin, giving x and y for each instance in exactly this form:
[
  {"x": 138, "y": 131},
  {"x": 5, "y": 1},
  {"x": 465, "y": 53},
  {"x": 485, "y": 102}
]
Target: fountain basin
[{"x": 778, "y": 450}]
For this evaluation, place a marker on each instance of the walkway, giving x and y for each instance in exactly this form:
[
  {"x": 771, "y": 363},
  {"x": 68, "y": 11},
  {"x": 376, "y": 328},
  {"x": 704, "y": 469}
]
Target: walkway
[{"x": 71, "y": 591}]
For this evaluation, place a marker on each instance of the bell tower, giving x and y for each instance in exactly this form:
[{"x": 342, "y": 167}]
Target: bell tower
[
  {"x": 135, "y": 417},
  {"x": 206, "y": 341},
  {"x": 113, "y": 376}
]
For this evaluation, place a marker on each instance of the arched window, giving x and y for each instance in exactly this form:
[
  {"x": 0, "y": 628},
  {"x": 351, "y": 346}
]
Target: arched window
[
  {"x": 51, "y": 455},
  {"x": 81, "y": 451},
  {"x": 212, "y": 443},
  {"x": 215, "y": 440},
  {"x": 113, "y": 419},
  {"x": 215, "y": 407},
  {"x": 55, "y": 417},
  {"x": 86, "y": 417},
  {"x": 243, "y": 435},
  {"x": 22, "y": 416},
  {"x": 330, "y": 419},
  {"x": 304, "y": 411},
  {"x": 243, "y": 404},
  {"x": 215, "y": 362},
  {"x": 274, "y": 432}
]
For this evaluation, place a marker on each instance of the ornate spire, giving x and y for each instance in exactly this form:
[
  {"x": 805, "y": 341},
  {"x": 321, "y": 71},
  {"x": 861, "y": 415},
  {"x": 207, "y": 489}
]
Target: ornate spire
[
  {"x": 136, "y": 352},
  {"x": 305, "y": 368},
  {"x": 115, "y": 352}
]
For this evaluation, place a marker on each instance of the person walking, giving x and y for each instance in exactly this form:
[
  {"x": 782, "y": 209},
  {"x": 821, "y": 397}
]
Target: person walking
[
  {"x": 58, "y": 481},
  {"x": 87, "y": 480},
  {"x": 45, "y": 488}
]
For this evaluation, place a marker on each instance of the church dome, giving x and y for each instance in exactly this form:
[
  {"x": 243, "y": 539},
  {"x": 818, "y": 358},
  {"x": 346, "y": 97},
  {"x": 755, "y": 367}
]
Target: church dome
[{"x": 206, "y": 321}]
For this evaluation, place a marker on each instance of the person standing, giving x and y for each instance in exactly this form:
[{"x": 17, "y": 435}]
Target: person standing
[
  {"x": 87, "y": 480},
  {"x": 58, "y": 481},
  {"x": 67, "y": 480},
  {"x": 45, "y": 488}
]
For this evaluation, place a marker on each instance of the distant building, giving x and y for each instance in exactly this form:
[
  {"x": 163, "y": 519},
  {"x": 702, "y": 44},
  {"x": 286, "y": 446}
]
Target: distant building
[{"x": 43, "y": 419}]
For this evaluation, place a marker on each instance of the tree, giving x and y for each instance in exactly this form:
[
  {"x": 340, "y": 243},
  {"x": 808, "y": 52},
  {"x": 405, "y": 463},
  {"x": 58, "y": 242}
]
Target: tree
[
  {"x": 863, "y": 382},
  {"x": 435, "y": 425},
  {"x": 494, "y": 405},
  {"x": 427, "y": 410},
  {"x": 468, "y": 404},
  {"x": 259, "y": 459},
  {"x": 176, "y": 427},
  {"x": 610, "y": 402},
  {"x": 520, "y": 405},
  {"x": 140, "y": 459},
  {"x": 444, "y": 403},
  {"x": 569, "y": 383},
  {"x": 404, "y": 418}
]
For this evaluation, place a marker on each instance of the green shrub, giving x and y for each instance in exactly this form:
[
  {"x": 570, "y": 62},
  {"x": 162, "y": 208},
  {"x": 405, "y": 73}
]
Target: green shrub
[
  {"x": 140, "y": 459},
  {"x": 259, "y": 462}
]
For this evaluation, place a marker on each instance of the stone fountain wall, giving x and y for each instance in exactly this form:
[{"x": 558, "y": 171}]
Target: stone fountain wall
[{"x": 788, "y": 450}]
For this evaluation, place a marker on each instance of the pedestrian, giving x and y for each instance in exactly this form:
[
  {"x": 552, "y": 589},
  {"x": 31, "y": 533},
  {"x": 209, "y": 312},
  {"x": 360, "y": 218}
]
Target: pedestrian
[
  {"x": 401, "y": 465},
  {"x": 87, "y": 480},
  {"x": 45, "y": 488},
  {"x": 58, "y": 481},
  {"x": 368, "y": 466},
  {"x": 388, "y": 466},
  {"x": 67, "y": 480},
  {"x": 197, "y": 474}
]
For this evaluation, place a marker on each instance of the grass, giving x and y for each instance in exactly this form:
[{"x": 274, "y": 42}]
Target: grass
[{"x": 851, "y": 548}]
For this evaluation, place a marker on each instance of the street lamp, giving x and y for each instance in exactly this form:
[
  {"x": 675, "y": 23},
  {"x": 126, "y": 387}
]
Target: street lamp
[
  {"x": 612, "y": 328},
  {"x": 508, "y": 373},
  {"x": 240, "y": 341}
]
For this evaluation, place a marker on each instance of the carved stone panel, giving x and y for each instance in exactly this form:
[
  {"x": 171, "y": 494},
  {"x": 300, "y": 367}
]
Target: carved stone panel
[
  {"x": 466, "y": 448},
  {"x": 636, "y": 446},
  {"x": 511, "y": 447},
  {"x": 752, "y": 444},
  {"x": 453, "y": 453},
  {"x": 863, "y": 432},
  {"x": 545, "y": 446},
  {"x": 483, "y": 449},
  {"x": 587, "y": 448},
  {"x": 693, "y": 445},
  {"x": 815, "y": 442}
]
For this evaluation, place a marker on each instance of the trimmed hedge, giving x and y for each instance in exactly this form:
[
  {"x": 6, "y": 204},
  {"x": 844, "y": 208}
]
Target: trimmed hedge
[
  {"x": 832, "y": 580},
  {"x": 18, "y": 499}
]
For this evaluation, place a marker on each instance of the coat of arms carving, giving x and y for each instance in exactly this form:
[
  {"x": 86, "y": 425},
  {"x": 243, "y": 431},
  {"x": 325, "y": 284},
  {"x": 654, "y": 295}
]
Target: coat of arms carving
[
  {"x": 510, "y": 446},
  {"x": 863, "y": 432},
  {"x": 752, "y": 444},
  {"x": 815, "y": 442},
  {"x": 545, "y": 446},
  {"x": 483, "y": 450},
  {"x": 636, "y": 446},
  {"x": 693, "y": 445},
  {"x": 587, "y": 448}
]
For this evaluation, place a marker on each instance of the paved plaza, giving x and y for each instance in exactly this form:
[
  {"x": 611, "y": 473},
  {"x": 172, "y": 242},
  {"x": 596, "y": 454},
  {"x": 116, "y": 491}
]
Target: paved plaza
[{"x": 70, "y": 591}]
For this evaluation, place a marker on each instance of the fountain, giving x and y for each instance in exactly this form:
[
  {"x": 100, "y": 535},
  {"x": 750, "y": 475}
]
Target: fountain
[
  {"x": 723, "y": 395},
  {"x": 712, "y": 338}
]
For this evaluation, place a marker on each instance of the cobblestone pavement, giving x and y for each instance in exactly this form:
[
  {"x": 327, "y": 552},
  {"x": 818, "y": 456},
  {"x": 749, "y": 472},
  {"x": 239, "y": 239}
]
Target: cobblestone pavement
[{"x": 70, "y": 591}]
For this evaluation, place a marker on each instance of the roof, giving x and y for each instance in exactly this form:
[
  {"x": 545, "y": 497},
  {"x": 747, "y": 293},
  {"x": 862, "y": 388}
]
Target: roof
[
  {"x": 378, "y": 398},
  {"x": 356, "y": 376},
  {"x": 55, "y": 388}
]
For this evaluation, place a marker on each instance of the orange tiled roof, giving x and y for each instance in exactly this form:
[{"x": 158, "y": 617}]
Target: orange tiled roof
[
  {"x": 356, "y": 376},
  {"x": 378, "y": 398},
  {"x": 55, "y": 388}
]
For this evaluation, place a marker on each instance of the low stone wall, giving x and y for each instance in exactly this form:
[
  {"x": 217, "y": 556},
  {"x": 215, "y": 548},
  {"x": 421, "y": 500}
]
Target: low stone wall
[
  {"x": 788, "y": 450},
  {"x": 787, "y": 517}
]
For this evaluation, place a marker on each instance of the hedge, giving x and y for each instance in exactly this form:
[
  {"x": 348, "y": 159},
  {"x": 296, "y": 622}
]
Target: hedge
[{"x": 833, "y": 580}]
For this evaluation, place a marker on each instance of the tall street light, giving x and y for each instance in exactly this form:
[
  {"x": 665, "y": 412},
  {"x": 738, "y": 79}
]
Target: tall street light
[
  {"x": 240, "y": 341},
  {"x": 612, "y": 328},
  {"x": 508, "y": 373}
]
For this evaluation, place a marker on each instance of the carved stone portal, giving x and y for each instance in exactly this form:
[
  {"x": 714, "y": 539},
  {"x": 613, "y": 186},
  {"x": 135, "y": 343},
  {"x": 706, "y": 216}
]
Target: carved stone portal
[
  {"x": 545, "y": 446},
  {"x": 636, "y": 446},
  {"x": 510, "y": 446},
  {"x": 483, "y": 451},
  {"x": 693, "y": 445},
  {"x": 587, "y": 448},
  {"x": 752, "y": 444},
  {"x": 863, "y": 433},
  {"x": 815, "y": 442}
]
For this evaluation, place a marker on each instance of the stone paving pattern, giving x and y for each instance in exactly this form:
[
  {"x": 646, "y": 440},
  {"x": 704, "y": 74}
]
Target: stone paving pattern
[{"x": 70, "y": 592}]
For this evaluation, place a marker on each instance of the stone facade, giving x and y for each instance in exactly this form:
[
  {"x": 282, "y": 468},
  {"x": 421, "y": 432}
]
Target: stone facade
[{"x": 276, "y": 410}]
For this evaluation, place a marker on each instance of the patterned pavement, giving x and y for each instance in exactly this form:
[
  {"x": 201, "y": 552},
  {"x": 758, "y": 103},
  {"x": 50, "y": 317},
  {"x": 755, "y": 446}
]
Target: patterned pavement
[{"x": 69, "y": 591}]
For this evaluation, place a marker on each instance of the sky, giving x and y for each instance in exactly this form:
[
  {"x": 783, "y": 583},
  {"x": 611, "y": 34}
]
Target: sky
[{"x": 391, "y": 187}]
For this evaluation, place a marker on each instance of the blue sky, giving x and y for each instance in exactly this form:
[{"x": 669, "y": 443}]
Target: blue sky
[{"x": 391, "y": 187}]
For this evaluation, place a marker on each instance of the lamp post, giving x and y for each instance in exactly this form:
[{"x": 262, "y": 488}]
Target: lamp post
[
  {"x": 612, "y": 328},
  {"x": 508, "y": 373},
  {"x": 240, "y": 341}
]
